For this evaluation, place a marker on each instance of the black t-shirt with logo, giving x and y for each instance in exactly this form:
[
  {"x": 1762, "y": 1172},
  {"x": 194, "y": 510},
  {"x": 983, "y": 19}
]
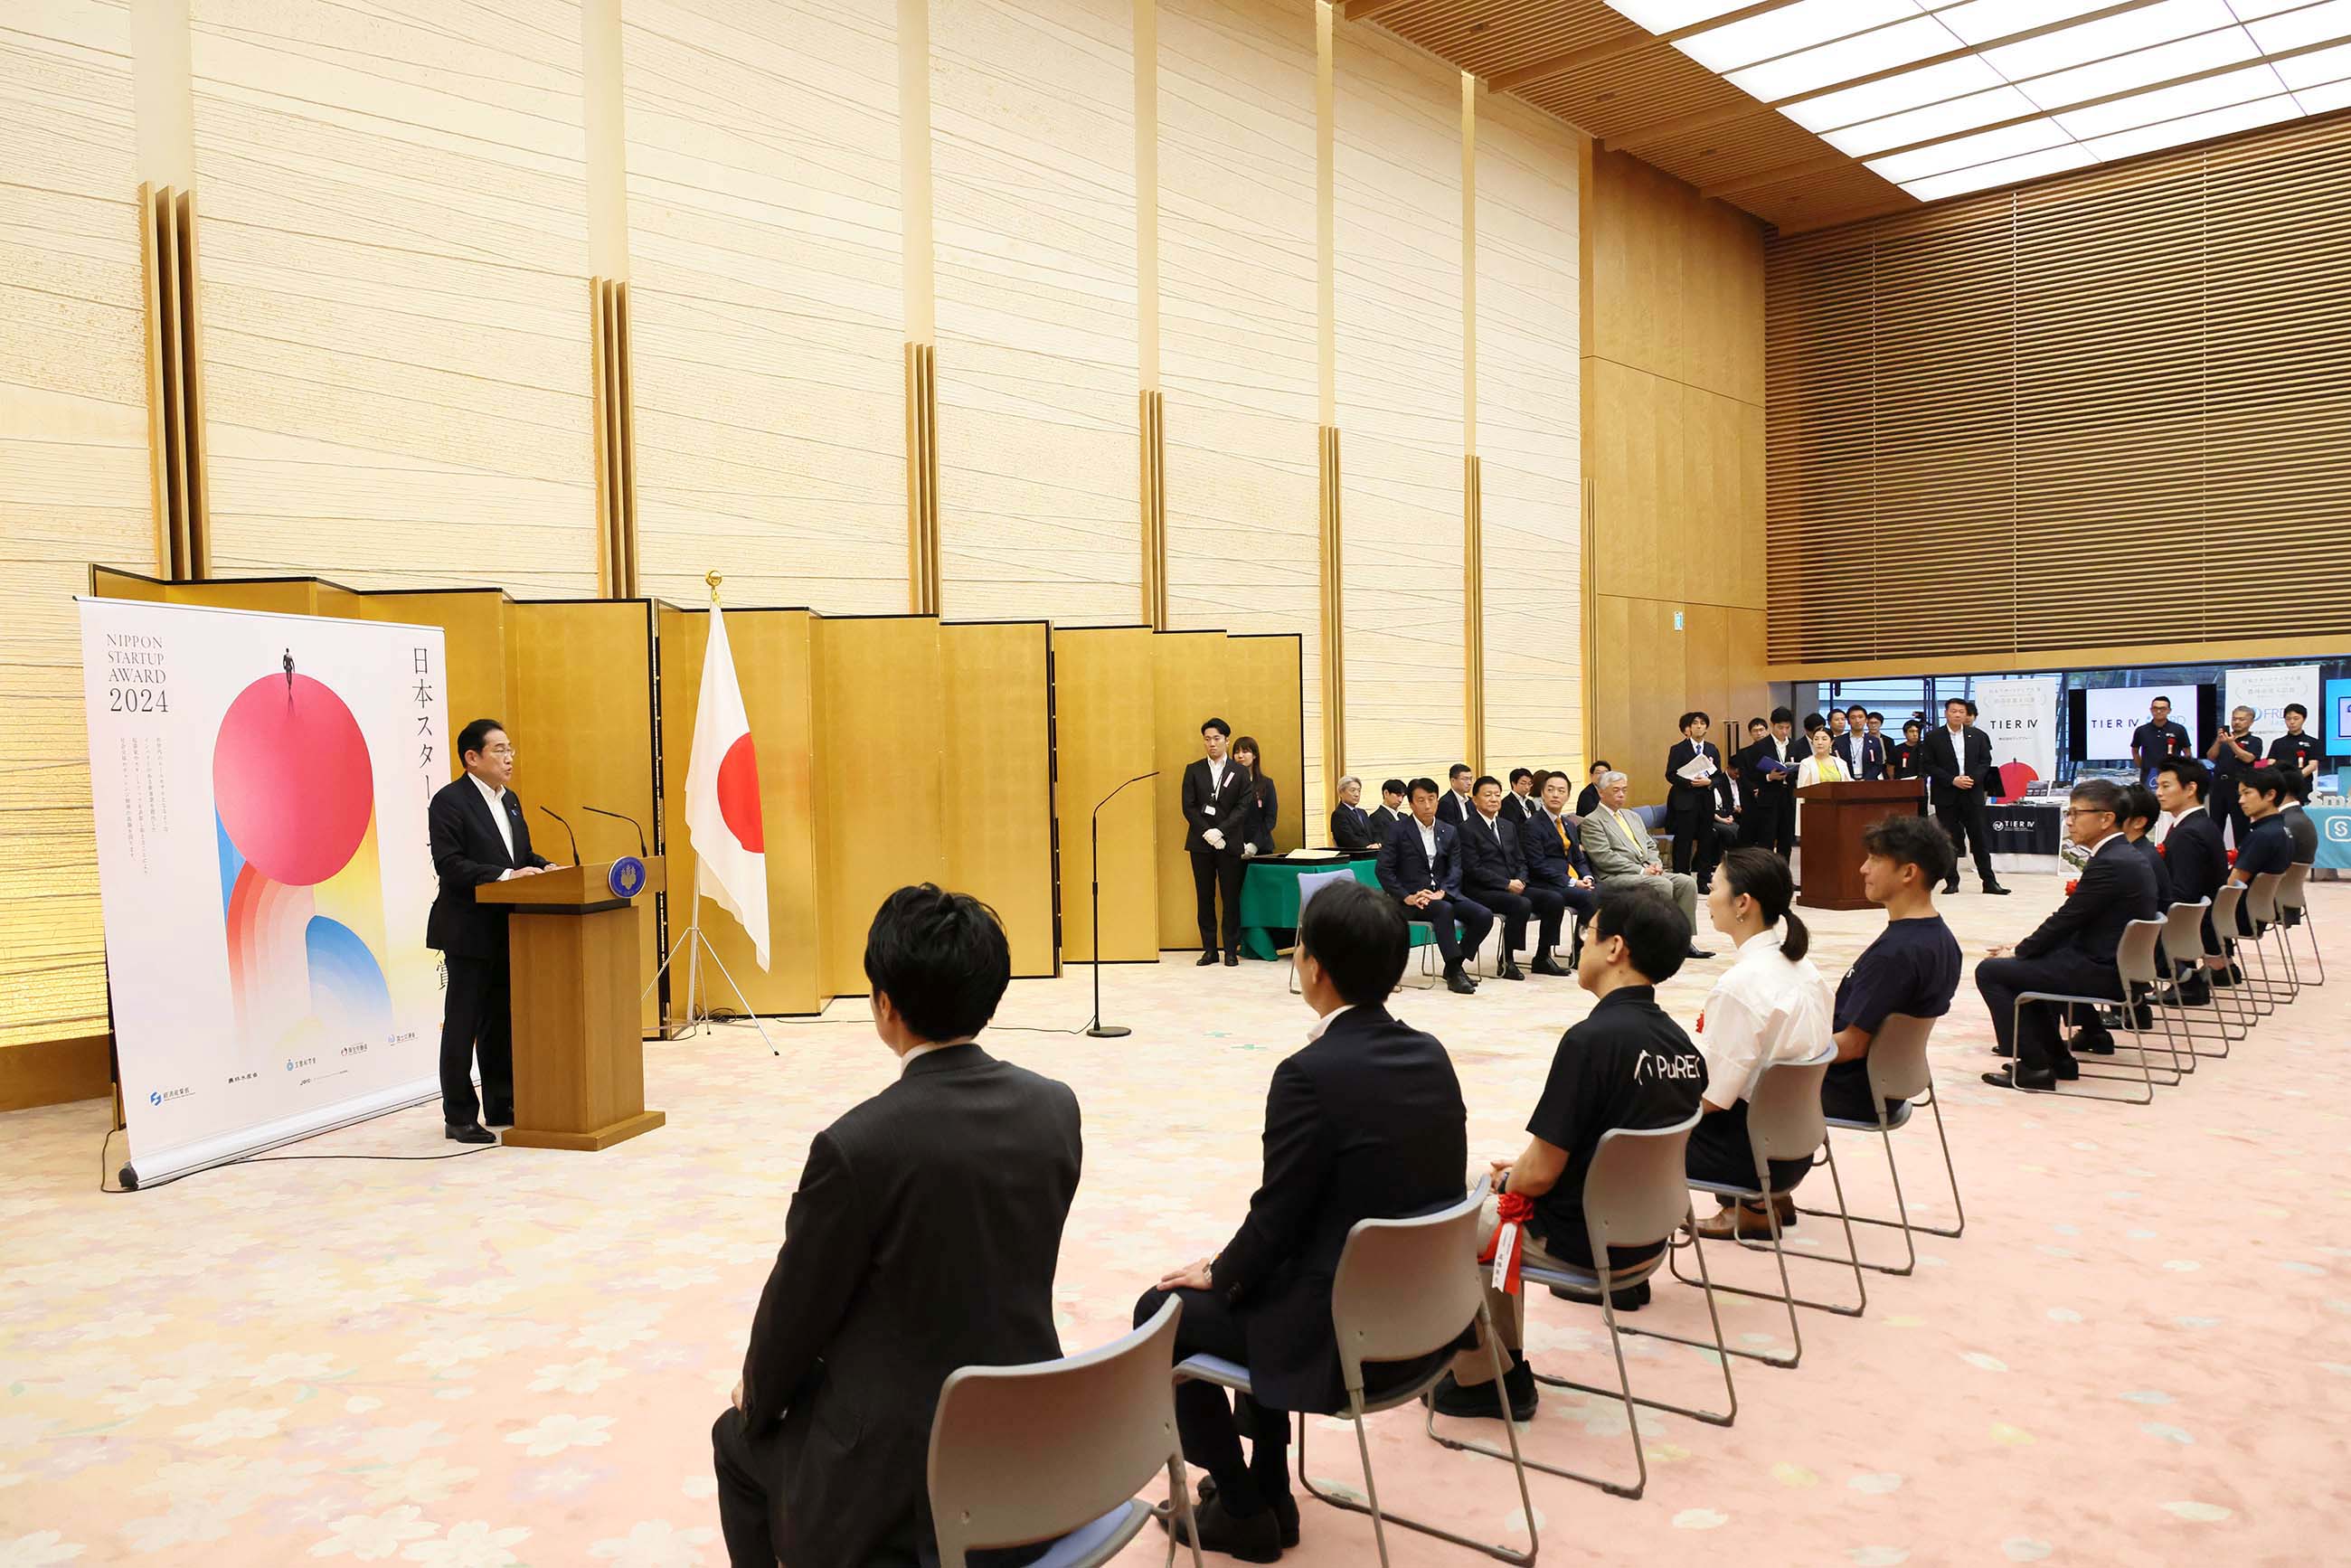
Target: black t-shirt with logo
[
  {"x": 2295, "y": 750},
  {"x": 1913, "y": 969},
  {"x": 2153, "y": 742},
  {"x": 2227, "y": 767},
  {"x": 1627, "y": 1065}
]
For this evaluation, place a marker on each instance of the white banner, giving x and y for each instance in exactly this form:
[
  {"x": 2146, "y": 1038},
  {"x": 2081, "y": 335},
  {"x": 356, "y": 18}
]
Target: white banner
[
  {"x": 2266, "y": 691},
  {"x": 260, "y": 784},
  {"x": 2020, "y": 718}
]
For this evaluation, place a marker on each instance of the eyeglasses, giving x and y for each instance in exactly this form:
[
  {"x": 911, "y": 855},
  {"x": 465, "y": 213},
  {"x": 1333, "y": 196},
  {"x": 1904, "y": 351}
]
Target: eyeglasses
[
  {"x": 500, "y": 750},
  {"x": 2073, "y": 811}
]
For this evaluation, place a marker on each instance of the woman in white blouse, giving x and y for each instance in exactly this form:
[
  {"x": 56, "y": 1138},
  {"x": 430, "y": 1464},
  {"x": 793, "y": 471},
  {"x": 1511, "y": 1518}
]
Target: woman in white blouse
[
  {"x": 1823, "y": 766},
  {"x": 1771, "y": 1005}
]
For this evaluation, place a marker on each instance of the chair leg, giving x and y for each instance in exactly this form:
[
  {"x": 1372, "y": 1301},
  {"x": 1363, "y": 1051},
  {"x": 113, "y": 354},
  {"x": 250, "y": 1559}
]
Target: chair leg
[
  {"x": 2317, "y": 958},
  {"x": 1623, "y": 1394},
  {"x": 1180, "y": 1495},
  {"x": 1787, "y": 1293},
  {"x": 1722, "y": 1352},
  {"x": 1902, "y": 1210}
]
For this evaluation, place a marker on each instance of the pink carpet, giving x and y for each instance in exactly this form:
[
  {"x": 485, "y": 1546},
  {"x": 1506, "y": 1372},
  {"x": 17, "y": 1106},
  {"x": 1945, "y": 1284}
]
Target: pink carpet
[{"x": 2140, "y": 1352}]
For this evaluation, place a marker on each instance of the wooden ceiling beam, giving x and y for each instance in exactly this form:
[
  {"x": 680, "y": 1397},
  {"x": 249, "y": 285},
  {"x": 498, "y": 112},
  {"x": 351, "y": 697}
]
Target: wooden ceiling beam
[
  {"x": 1827, "y": 162},
  {"x": 1363, "y": 10}
]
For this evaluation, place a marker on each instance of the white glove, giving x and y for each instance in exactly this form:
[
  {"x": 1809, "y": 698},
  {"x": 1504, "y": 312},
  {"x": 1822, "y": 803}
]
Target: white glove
[
  {"x": 1249, "y": 849},
  {"x": 1216, "y": 837}
]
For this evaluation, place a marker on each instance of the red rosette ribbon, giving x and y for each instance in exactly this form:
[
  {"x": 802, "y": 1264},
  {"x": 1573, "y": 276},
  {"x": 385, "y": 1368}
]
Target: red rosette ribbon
[{"x": 1507, "y": 1247}]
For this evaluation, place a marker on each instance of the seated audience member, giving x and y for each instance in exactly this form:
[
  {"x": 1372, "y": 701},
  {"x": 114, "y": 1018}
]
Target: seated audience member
[
  {"x": 1625, "y": 1064},
  {"x": 2072, "y": 951},
  {"x": 2193, "y": 855},
  {"x": 1689, "y": 803},
  {"x": 1364, "y": 1121},
  {"x": 1494, "y": 873},
  {"x": 1587, "y": 800},
  {"x": 1913, "y": 966},
  {"x": 1555, "y": 857},
  {"x": 1391, "y": 811},
  {"x": 1457, "y": 805},
  {"x": 922, "y": 1238},
  {"x": 1618, "y": 844},
  {"x": 1770, "y": 1006},
  {"x": 2139, "y": 814},
  {"x": 1420, "y": 868},
  {"x": 1351, "y": 828},
  {"x": 2268, "y": 846},
  {"x": 2299, "y": 827},
  {"x": 1519, "y": 805},
  {"x": 2295, "y": 751}
]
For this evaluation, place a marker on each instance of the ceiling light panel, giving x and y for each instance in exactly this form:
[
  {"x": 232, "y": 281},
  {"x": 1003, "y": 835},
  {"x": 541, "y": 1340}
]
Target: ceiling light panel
[
  {"x": 1980, "y": 21},
  {"x": 1910, "y": 90},
  {"x": 1991, "y": 146},
  {"x": 2086, "y": 41},
  {"x": 2253, "y": 10},
  {"x": 2172, "y": 102},
  {"x": 1665, "y": 15},
  {"x": 2311, "y": 25},
  {"x": 1983, "y": 176},
  {"x": 2128, "y": 73},
  {"x": 1846, "y": 60},
  {"x": 2310, "y": 70},
  {"x": 2193, "y": 128},
  {"x": 1789, "y": 28},
  {"x": 2319, "y": 99},
  {"x": 1937, "y": 120}
]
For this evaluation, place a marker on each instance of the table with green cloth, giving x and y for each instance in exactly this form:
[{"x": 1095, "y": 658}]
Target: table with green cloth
[{"x": 1269, "y": 897}]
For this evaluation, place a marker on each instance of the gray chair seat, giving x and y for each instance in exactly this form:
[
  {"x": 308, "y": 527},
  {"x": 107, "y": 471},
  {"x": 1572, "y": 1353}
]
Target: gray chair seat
[{"x": 1096, "y": 1542}]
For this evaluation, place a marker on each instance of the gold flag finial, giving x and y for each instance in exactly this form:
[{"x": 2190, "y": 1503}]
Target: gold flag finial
[{"x": 713, "y": 579}]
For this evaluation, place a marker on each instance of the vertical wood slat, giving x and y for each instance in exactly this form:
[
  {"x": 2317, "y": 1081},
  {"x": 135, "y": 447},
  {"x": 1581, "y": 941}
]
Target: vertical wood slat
[
  {"x": 1153, "y": 429},
  {"x": 175, "y": 418},
  {"x": 1334, "y": 664},
  {"x": 1473, "y": 609},
  {"x": 616, "y": 461},
  {"x": 922, "y": 479}
]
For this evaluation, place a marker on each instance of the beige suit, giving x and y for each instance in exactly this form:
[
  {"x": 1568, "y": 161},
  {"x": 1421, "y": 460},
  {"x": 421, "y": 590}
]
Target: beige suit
[{"x": 1619, "y": 846}]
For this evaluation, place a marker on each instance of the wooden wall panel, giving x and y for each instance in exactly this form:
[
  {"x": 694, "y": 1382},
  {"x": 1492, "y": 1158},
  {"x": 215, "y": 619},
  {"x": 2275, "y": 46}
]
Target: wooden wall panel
[
  {"x": 1032, "y": 146},
  {"x": 1238, "y": 333},
  {"x": 1999, "y": 410},
  {"x": 879, "y": 717},
  {"x": 1399, "y": 367},
  {"x": 1105, "y": 726},
  {"x": 396, "y": 332},
  {"x": 995, "y": 788},
  {"x": 766, "y": 281},
  {"x": 1188, "y": 687},
  {"x": 73, "y": 476}
]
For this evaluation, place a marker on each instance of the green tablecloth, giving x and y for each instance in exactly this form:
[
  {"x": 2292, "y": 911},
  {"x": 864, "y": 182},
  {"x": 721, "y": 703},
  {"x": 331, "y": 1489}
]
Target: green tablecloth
[{"x": 1269, "y": 899}]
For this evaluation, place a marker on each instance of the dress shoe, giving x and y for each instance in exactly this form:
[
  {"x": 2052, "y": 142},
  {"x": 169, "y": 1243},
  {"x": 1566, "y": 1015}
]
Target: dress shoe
[
  {"x": 1510, "y": 972},
  {"x": 1457, "y": 982},
  {"x": 1257, "y": 1539},
  {"x": 1232, "y": 960},
  {"x": 1206, "y": 958},
  {"x": 2018, "y": 1078},
  {"x": 1696, "y": 952},
  {"x": 1476, "y": 1401},
  {"x": 1747, "y": 1221},
  {"x": 2066, "y": 1069},
  {"x": 2095, "y": 1039},
  {"x": 2195, "y": 993},
  {"x": 471, "y": 1133},
  {"x": 1995, "y": 890},
  {"x": 1624, "y": 1297},
  {"x": 1999, "y": 1050},
  {"x": 1285, "y": 1509},
  {"x": 1953, "y": 886},
  {"x": 1547, "y": 964}
]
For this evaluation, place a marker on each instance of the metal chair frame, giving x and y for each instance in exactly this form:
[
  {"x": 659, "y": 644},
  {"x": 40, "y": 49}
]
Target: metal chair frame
[
  {"x": 1899, "y": 1073},
  {"x": 2261, "y": 901},
  {"x": 2182, "y": 944},
  {"x": 2131, "y": 966},
  {"x": 2250, "y": 1009},
  {"x": 2294, "y": 896}
]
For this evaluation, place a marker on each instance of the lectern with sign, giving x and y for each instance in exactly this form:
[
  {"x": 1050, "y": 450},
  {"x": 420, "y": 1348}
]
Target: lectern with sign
[
  {"x": 1835, "y": 816},
  {"x": 578, "y": 1051}
]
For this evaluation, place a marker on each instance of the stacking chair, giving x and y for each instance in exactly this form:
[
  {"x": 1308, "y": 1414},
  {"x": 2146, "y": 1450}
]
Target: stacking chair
[
  {"x": 2135, "y": 966},
  {"x": 2260, "y": 902},
  {"x": 1307, "y": 886},
  {"x": 1636, "y": 1194},
  {"x": 1898, "y": 1075},
  {"x": 2253, "y": 1005},
  {"x": 1784, "y": 1122},
  {"x": 2293, "y": 906},
  {"x": 1404, "y": 1288},
  {"x": 2184, "y": 951},
  {"x": 1056, "y": 1451}
]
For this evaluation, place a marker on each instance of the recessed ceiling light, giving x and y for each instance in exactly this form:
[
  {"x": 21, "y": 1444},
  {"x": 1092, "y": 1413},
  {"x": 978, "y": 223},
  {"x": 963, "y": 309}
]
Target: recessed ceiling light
[
  {"x": 2165, "y": 62},
  {"x": 1989, "y": 146},
  {"x": 2031, "y": 166},
  {"x": 1788, "y": 29},
  {"x": 1845, "y": 60},
  {"x": 1664, "y": 15},
  {"x": 2310, "y": 70},
  {"x": 1981, "y": 20},
  {"x": 1927, "y": 124},
  {"x": 2172, "y": 102},
  {"x": 2311, "y": 25},
  {"x": 1928, "y": 84},
  {"x": 2194, "y": 127},
  {"x": 2143, "y": 28},
  {"x": 2319, "y": 99}
]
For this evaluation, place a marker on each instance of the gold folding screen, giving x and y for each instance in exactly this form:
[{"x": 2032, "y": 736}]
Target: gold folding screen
[
  {"x": 2048, "y": 421},
  {"x": 1104, "y": 733}
]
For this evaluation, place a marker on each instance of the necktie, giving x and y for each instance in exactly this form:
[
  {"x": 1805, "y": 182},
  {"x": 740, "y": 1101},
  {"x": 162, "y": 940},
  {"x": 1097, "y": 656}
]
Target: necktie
[{"x": 1561, "y": 823}]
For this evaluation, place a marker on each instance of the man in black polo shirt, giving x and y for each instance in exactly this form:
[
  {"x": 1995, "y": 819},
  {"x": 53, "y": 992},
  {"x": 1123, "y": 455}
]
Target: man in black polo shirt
[
  {"x": 2299, "y": 827},
  {"x": 2235, "y": 752},
  {"x": 1913, "y": 967},
  {"x": 2159, "y": 738},
  {"x": 2295, "y": 751},
  {"x": 2269, "y": 846},
  {"x": 1625, "y": 1065}
]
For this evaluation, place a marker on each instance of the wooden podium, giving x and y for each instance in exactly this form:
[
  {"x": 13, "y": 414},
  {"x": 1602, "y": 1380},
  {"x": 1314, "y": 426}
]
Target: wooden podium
[
  {"x": 579, "y": 1038},
  {"x": 1835, "y": 815}
]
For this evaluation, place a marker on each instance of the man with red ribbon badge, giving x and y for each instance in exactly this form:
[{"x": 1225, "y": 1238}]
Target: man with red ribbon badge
[{"x": 1626, "y": 1065}]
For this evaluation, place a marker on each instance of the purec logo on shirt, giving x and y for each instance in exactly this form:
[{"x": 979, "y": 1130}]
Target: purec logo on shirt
[{"x": 1648, "y": 1065}]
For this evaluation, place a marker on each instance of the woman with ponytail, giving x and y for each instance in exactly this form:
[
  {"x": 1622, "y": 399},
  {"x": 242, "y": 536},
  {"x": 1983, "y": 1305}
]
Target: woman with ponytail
[{"x": 1770, "y": 1006}]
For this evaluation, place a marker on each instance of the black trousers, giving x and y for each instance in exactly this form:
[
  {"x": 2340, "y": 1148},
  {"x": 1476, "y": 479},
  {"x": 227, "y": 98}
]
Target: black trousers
[
  {"x": 1720, "y": 1151},
  {"x": 1207, "y": 1420},
  {"x": 477, "y": 1017},
  {"x": 1216, "y": 873},
  {"x": 1697, "y": 840},
  {"x": 2033, "y": 1036},
  {"x": 1475, "y": 921},
  {"x": 1967, "y": 820},
  {"x": 1775, "y": 828},
  {"x": 1546, "y": 905}
]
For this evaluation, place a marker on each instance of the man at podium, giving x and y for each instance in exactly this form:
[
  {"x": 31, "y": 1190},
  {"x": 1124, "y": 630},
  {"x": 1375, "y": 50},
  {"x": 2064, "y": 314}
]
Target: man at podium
[{"x": 479, "y": 835}]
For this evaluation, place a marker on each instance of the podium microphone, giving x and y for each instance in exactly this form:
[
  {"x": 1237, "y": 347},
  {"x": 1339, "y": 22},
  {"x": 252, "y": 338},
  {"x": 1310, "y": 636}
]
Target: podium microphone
[
  {"x": 1097, "y": 1028},
  {"x": 641, "y": 851},
  {"x": 568, "y": 834}
]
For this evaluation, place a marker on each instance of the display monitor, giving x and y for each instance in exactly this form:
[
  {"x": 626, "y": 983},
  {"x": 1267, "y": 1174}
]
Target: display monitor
[
  {"x": 2105, "y": 716},
  {"x": 2334, "y": 728}
]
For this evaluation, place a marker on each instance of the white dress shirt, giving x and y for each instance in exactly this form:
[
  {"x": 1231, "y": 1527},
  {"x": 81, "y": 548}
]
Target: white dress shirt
[
  {"x": 1763, "y": 1009},
  {"x": 497, "y": 799},
  {"x": 926, "y": 1050},
  {"x": 1427, "y": 841},
  {"x": 1323, "y": 1025}
]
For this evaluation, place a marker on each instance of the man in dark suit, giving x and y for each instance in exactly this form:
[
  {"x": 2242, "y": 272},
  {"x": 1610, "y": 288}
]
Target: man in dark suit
[
  {"x": 1772, "y": 769},
  {"x": 479, "y": 835},
  {"x": 1391, "y": 811},
  {"x": 1456, "y": 806},
  {"x": 2072, "y": 951},
  {"x": 1690, "y": 804},
  {"x": 1519, "y": 806},
  {"x": 1420, "y": 868},
  {"x": 1214, "y": 790},
  {"x": 1957, "y": 763},
  {"x": 1861, "y": 748},
  {"x": 1494, "y": 872},
  {"x": 1556, "y": 858},
  {"x": 1351, "y": 827},
  {"x": 923, "y": 1238},
  {"x": 1359, "y": 1124},
  {"x": 1587, "y": 800},
  {"x": 2193, "y": 853}
]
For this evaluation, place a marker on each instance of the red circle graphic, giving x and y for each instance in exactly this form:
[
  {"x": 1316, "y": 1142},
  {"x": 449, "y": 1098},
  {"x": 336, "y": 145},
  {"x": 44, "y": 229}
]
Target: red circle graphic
[
  {"x": 291, "y": 779},
  {"x": 739, "y": 795}
]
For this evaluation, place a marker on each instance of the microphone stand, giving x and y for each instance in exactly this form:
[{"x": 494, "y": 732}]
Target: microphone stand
[{"x": 1097, "y": 1028}]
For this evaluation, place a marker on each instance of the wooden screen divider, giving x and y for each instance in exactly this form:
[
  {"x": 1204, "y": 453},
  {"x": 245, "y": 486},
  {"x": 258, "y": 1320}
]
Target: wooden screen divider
[
  {"x": 2058, "y": 417},
  {"x": 616, "y": 447},
  {"x": 922, "y": 479},
  {"x": 175, "y": 384}
]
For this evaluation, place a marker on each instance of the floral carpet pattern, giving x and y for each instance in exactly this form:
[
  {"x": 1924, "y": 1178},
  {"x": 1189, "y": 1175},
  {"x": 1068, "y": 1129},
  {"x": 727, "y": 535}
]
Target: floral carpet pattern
[{"x": 2139, "y": 1352}]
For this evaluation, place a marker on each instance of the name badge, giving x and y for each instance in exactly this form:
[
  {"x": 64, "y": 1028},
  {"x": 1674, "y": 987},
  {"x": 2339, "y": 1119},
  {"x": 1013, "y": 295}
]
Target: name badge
[{"x": 1211, "y": 810}]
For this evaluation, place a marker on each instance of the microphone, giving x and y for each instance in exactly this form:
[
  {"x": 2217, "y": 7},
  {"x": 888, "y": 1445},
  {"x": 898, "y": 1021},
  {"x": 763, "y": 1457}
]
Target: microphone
[
  {"x": 568, "y": 834},
  {"x": 641, "y": 851}
]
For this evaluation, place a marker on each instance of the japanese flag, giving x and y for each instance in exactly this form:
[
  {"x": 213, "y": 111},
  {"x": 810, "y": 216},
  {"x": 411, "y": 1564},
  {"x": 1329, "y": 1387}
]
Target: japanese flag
[{"x": 722, "y": 797}]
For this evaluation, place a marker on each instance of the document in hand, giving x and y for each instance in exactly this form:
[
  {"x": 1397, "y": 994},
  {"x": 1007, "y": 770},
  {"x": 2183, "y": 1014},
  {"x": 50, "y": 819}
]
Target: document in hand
[
  {"x": 1771, "y": 767},
  {"x": 1698, "y": 768}
]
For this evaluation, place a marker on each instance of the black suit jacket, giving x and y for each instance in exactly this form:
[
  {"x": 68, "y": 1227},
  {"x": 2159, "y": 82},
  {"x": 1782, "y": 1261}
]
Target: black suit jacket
[
  {"x": 1365, "y": 1123},
  {"x": 1491, "y": 858},
  {"x": 922, "y": 1238},
  {"x": 1935, "y": 757},
  {"x": 1587, "y": 800},
  {"x": 1259, "y": 810},
  {"x": 2198, "y": 858},
  {"x": 467, "y": 851},
  {"x": 1450, "y": 809},
  {"x": 1381, "y": 819},
  {"x": 1871, "y": 763},
  {"x": 2152, "y": 852},
  {"x": 1404, "y": 867},
  {"x": 1519, "y": 809},
  {"x": 1199, "y": 797},
  {"x": 1550, "y": 863},
  {"x": 1352, "y": 828},
  {"x": 1681, "y": 794},
  {"x": 1751, "y": 766},
  {"x": 2116, "y": 888}
]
